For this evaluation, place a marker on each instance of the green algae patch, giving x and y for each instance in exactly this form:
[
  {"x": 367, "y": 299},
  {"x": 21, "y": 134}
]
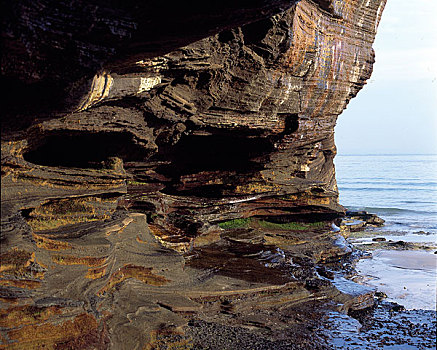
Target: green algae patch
[
  {"x": 236, "y": 223},
  {"x": 290, "y": 225},
  {"x": 137, "y": 183},
  {"x": 282, "y": 226},
  {"x": 252, "y": 222}
]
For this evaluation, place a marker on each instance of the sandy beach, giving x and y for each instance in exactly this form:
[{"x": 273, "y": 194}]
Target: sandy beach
[{"x": 406, "y": 277}]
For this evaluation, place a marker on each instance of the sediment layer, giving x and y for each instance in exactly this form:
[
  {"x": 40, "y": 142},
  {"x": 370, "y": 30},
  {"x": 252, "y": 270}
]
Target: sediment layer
[{"x": 168, "y": 183}]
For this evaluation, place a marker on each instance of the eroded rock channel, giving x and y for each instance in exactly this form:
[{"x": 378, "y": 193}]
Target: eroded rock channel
[{"x": 177, "y": 189}]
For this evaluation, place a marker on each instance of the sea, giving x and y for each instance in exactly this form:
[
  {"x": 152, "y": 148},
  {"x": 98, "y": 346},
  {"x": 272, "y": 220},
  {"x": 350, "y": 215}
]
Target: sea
[{"x": 401, "y": 189}]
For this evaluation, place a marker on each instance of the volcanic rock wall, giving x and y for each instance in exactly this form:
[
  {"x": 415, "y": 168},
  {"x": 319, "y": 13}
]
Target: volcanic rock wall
[{"x": 112, "y": 183}]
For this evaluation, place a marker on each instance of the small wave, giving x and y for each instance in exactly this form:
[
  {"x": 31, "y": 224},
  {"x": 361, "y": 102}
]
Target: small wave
[
  {"x": 415, "y": 202},
  {"x": 394, "y": 183},
  {"x": 377, "y": 210},
  {"x": 394, "y": 188}
]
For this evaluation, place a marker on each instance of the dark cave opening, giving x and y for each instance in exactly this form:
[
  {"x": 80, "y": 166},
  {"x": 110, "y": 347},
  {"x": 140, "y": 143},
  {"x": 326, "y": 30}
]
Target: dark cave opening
[
  {"x": 224, "y": 156},
  {"x": 291, "y": 123},
  {"x": 79, "y": 150},
  {"x": 217, "y": 152},
  {"x": 31, "y": 101},
  {"x": 256, "y": 31}
]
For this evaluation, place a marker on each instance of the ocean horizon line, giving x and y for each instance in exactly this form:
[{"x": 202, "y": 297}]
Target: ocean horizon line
[{"x": 386, "y": 154}]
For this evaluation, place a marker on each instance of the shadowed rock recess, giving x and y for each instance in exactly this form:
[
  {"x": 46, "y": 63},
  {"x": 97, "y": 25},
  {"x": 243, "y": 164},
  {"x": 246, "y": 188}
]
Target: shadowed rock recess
[{"x": 167, "y": 171}]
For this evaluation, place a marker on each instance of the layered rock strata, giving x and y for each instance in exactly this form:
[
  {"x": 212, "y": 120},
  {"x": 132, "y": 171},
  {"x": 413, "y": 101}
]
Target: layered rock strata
[{"x": 190, "y": 184}]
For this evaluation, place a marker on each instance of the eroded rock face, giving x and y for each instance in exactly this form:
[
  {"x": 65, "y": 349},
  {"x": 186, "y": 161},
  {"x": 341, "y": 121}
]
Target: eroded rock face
[
  {"x": 180, "y": 182},
  {"x": 51, "y": 49}
]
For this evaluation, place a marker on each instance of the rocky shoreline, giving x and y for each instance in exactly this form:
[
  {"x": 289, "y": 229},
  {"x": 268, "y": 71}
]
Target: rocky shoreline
[
  {"x": 386, "y": 324},
  {"x": 320, "y": 308},
  {"x": 167, "y": 173},
  {"x": 325, "y": 324},
  {"x": 254, "y": 284}
]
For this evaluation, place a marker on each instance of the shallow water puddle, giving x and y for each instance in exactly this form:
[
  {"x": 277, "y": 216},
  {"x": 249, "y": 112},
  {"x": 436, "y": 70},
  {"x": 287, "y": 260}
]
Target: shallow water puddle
[{"x": 381, "y": 328}]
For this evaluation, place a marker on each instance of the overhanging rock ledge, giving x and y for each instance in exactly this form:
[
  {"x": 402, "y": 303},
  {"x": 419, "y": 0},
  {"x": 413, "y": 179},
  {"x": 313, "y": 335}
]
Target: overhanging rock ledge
[{"x": 154, "y": 176}]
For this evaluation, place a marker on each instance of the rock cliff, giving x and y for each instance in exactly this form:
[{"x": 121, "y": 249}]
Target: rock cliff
[{"x": 168, "y": 168}]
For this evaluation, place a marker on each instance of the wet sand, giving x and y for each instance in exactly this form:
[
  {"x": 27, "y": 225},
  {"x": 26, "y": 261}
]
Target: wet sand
[
  {"x": 406, "y": 274},
  {"x": 407, "y": 277}
]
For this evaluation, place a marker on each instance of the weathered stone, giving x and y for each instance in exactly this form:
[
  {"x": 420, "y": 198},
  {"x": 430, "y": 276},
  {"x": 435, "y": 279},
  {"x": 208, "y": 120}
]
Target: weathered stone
[
  {"x": 142, "y": 183},
  {"x": 368, "y": 218}
]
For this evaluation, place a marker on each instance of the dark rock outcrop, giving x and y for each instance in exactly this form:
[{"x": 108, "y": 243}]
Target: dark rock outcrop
[
  {"x": 52, "y": 49},
  {"x": 145, "y": 182},
  {"x": 360, "y": 220}
]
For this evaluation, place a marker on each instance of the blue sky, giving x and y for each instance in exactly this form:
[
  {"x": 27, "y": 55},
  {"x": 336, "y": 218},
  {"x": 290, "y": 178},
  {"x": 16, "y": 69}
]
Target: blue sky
[{"x": 396, "y": 112}]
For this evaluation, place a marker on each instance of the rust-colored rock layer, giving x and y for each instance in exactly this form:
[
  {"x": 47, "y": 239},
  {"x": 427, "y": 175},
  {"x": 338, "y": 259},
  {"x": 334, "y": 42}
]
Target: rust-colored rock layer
[{"x": 179, "y": 182}]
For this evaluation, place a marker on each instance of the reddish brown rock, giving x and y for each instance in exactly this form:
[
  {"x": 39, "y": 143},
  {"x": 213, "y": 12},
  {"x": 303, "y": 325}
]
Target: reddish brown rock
[{"x": 185, "y": 182}]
